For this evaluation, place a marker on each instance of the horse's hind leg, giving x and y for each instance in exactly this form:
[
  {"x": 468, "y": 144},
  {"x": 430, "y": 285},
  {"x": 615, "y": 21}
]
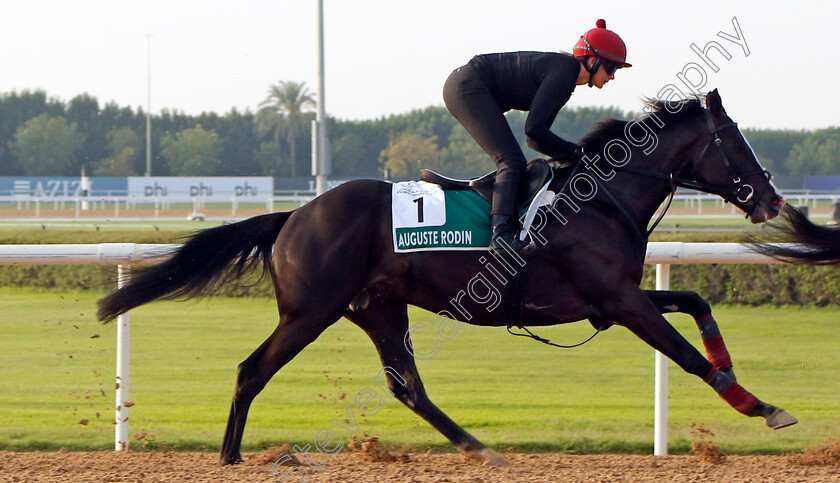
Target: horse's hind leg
[
  {"x": 386, "y": 323},
  {"x": 693, "y": 304},
  {"x": 287, "y": 340}
]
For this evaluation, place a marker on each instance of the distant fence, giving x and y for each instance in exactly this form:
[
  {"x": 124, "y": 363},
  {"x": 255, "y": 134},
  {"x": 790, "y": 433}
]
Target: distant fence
[
  {"x": 122, "y": 205},
  {"x": 697, "y": 200},
  {"x": 123, "y": 255},
  {"x": 81, "y": 194}
]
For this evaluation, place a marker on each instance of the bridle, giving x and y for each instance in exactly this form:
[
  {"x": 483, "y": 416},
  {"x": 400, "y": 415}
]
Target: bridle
[{"x": 742, "y": 192}]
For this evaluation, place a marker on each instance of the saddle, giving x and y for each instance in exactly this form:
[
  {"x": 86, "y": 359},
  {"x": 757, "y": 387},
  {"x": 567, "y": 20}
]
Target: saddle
[{"x": 536, "y": 175}]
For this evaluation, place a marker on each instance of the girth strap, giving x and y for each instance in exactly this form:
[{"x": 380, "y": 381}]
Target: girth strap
[{"x": 514, "y": 308}]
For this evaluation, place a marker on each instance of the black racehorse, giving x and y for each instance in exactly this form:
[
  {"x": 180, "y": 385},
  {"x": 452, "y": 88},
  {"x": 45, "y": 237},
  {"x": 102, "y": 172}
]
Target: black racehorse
[{"x": 335, "y": 257}]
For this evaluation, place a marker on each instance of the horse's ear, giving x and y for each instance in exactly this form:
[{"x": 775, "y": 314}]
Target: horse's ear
[{"x": 713, "y": 102}]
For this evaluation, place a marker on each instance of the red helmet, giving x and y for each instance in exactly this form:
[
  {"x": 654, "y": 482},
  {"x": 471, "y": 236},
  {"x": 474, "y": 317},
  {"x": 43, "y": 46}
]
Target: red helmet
[{"x": 603, "y": 43}]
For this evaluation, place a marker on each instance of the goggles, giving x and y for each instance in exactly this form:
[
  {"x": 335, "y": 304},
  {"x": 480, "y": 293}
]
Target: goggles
[{"x": 610, "y": 67}]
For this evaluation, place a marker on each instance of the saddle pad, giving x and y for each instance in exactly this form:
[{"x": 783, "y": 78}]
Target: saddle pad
[{"x": 426, "y": 217}]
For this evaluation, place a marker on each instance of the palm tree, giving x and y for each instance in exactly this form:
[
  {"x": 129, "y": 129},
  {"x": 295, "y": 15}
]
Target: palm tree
[{"x": 281, "y": 113}]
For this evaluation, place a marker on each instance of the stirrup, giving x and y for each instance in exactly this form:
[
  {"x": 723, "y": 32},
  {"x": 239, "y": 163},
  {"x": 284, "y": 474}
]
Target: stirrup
[{"x": 502, "y": 247}]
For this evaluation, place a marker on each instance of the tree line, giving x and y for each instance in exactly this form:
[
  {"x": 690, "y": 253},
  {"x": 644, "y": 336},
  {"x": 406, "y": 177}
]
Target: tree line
[{"x": 43, "y": 136}]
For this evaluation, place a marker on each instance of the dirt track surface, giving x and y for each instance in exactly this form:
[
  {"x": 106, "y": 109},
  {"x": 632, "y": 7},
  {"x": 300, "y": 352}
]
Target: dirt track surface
[{"x": 108, "y": 466}]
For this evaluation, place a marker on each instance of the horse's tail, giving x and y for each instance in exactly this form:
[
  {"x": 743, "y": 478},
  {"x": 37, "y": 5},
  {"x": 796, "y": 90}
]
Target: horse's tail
[
  {"x": 207, "y": 260},
  {"x": 816, "y": 244}
]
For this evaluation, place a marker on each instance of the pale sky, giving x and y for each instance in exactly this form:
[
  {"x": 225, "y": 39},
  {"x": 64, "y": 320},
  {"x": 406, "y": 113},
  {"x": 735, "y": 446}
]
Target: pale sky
[{"x": 390, "y": 56}]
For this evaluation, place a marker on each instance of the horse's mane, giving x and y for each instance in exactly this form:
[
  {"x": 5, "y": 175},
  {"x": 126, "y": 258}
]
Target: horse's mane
[{"x": 666, "y": 112}]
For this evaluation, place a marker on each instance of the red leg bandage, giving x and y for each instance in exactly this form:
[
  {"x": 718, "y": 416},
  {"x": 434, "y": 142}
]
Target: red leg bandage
[
  {"x": 717, "y": 353},
  {"x": 740, "y": 399}
]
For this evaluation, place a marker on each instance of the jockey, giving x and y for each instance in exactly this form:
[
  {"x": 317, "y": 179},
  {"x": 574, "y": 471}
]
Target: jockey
[{"x": 480, "y": 92}]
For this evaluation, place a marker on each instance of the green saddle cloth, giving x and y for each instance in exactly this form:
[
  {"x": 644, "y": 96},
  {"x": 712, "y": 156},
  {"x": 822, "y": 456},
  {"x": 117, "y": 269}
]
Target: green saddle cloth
[{"x": 426, "y": 218}]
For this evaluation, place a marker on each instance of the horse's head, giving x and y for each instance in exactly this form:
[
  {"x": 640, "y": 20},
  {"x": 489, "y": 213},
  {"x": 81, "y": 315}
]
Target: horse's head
[{"x": 728, "y": 167}]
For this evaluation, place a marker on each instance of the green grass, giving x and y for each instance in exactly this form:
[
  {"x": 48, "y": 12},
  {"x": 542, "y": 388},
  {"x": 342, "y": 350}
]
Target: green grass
[{"x": 506, "y": 391}]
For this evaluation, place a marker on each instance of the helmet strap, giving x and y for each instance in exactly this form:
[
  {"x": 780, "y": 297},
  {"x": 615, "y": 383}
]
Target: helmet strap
[{"x": 593, "y": 69}]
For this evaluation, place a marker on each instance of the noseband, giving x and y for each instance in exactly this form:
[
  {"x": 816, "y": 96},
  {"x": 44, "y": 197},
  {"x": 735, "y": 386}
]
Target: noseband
[{"x": 744, "y": 191}]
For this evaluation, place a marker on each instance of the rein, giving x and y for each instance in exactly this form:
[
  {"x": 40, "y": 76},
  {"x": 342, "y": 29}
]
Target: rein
[
  {"x": 548, "y": 342},
  {"x": 724, "y": 192}
]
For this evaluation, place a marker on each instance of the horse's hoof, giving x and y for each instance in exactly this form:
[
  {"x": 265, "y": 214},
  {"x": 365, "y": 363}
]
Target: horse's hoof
[
  {"x": 231, "y": 460},
  {"x": 488, "y": 457},
  {"x": 780, "y": 418}
]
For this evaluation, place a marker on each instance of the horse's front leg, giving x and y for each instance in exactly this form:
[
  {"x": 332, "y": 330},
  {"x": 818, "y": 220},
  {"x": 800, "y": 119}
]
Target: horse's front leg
[
  {"x": 691, "y": 303},
  {"x": 638, "y": 312}
]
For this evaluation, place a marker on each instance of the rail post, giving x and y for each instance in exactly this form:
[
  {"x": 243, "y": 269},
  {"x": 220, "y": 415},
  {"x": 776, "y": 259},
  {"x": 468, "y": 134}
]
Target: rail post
[
  {"x": 121, "y": 440},
  {"x": 660, "y": 418}
]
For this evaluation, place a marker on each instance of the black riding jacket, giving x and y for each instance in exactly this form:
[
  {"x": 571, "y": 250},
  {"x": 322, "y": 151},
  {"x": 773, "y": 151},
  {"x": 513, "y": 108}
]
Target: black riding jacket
[{"x": 538, "y": 82}]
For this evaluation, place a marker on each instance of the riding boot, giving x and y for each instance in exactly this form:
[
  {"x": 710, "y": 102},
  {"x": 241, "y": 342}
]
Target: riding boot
[{"x": 505, "y": 238}]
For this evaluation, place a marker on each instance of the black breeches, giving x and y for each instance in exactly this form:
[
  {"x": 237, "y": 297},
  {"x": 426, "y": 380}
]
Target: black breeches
[{"x": 469, "y": 99}]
